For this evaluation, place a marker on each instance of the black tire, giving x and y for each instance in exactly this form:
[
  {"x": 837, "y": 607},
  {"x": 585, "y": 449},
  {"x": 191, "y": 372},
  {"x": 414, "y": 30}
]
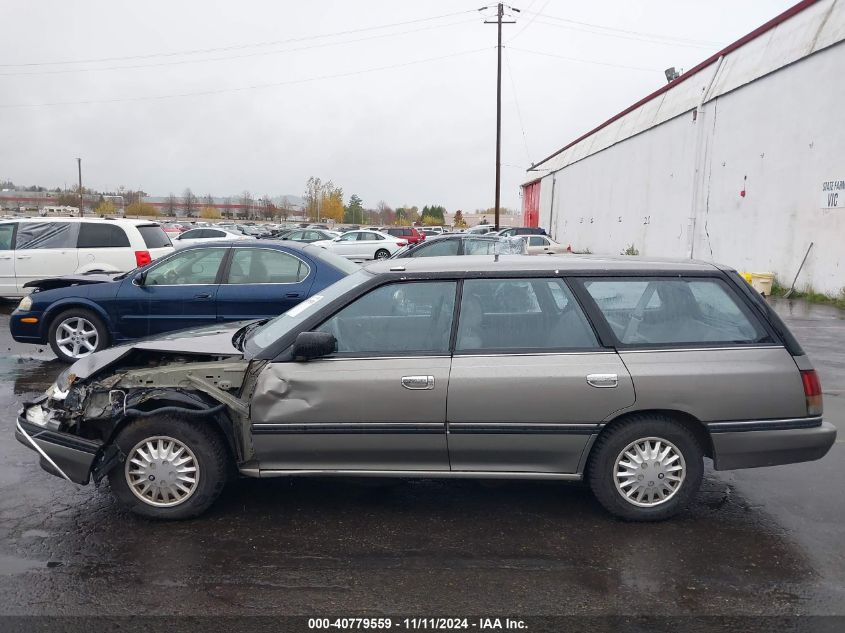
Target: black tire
[
  {"x": 601, "y": 468},
  {"x": 208, "y": 452},
  {"x": 382, "y": 253},
  {"x": 103, "y": 340}
]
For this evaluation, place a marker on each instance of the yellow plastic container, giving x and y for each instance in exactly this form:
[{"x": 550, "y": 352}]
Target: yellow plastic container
[
  {"x": 762, "y": 282},
  {"x": 746, "y": 276}
]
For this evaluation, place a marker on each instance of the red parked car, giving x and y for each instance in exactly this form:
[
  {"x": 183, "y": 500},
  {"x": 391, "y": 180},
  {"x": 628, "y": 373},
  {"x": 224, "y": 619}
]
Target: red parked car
[{"x": 406, "y": 233}]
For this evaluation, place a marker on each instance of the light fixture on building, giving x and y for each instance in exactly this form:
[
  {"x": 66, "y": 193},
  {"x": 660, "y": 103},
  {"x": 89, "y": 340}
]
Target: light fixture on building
[{"x": 671, "y": 74}]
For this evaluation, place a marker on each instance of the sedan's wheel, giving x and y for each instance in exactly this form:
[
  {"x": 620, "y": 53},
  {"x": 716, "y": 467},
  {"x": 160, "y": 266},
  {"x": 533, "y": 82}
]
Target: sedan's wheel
[
  {"x": 646, "y": 468},
  {"x": 173, "y": 469},
  {"x": 77, "y": 333},
  {"x": 382, "y": 253}
]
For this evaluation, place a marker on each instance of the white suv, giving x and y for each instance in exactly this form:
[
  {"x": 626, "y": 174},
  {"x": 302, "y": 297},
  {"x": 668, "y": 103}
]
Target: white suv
[{"x": 38, "y": 248}]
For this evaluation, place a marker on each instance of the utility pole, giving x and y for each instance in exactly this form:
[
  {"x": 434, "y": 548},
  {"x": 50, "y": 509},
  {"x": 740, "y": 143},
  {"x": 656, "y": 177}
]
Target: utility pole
[
  {"x": 500, "y": 13},
  {"x": 81, "y": 197}
]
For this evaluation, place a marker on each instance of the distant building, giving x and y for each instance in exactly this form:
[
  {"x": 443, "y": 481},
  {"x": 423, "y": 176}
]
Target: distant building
[{"x": 738, "y": 160}]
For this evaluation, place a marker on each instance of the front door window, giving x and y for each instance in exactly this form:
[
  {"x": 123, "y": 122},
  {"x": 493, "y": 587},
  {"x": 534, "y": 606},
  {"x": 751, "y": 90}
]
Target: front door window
[{"x": 397, "y": 319}]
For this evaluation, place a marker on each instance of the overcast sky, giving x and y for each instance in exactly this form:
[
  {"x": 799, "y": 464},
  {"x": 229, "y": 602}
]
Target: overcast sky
[{"x": 277, "y": 92}]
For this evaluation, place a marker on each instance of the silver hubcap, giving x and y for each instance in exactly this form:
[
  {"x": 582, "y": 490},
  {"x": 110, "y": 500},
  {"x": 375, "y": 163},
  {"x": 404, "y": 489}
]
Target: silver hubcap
[
  {"x": 161, "y": 471},
  {"x": 77, "y": 337},
  {"x": 382, "y": 255},
  {"x": 649, "y": 472}
]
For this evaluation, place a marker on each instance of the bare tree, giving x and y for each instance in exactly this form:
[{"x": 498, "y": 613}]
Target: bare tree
[
  {"x": 285, "y": 209},
  {"x": 189, "y": 202},
  {"x": 227, "y": 207},
  {"x": 246, "y": 203},
  {"x": 172, "y": 205},
  {"x": 208, "y": 200}
]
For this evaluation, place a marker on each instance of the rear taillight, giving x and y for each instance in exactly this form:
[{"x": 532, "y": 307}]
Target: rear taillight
[
  {"x": 812, "y": 391},
  {"x": 142, "y": 258}
]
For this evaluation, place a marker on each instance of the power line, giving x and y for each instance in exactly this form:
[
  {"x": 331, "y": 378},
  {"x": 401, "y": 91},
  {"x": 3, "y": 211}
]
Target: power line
[
  {"x": 530, "y": 20},
  {"x": 518, "y": 110},
  {"x": 230, "y": 57},
  {"x": 598, "y": 29},
  {"x": 243, "y": 88},
  {"x": 584, "y": 61},
  {"x": 236, "y": 46}
]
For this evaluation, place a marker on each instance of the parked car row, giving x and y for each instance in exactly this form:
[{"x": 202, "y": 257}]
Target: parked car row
[{"x": 35, "y": 248}]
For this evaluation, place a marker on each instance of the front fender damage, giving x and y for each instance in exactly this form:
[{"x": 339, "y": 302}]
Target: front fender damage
[{"x": 214, "y": 391}]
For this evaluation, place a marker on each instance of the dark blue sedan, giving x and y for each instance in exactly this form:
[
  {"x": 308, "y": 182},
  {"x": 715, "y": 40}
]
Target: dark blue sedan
[{"x": 198, "y": 285}]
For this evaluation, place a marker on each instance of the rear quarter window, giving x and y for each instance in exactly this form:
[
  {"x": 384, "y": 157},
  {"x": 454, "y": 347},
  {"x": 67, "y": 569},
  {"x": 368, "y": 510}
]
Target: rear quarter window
[
  {"x": 675, "y": 311},
  {"x": 154, "y": 236}
]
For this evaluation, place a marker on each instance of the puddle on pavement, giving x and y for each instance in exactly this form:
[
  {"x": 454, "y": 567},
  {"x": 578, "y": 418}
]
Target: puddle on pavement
[{"x": 13, "y": 565}]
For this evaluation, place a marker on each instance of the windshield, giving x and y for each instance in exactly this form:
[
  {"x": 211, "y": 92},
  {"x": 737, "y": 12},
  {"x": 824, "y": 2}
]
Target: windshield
[{"x": 274, "y": 329}]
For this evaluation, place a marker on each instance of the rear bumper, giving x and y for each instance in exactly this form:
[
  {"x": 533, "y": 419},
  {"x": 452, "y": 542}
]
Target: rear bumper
[
  {"x": 750, "y": 444},
  {"x": 72, "y": 456}
]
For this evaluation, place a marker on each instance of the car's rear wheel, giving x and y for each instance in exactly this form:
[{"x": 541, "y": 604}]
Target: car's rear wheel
[
  {"x": 174, "y": 469},
  {"x": 77, "y": 333},
  {"x": 382, "y": 253},
  {"x": 646, "y": 468}
]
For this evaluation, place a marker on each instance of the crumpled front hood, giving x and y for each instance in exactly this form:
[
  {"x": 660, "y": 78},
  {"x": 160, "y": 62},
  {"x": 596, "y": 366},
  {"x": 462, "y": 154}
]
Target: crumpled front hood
[{"x": 215, "y": 340}]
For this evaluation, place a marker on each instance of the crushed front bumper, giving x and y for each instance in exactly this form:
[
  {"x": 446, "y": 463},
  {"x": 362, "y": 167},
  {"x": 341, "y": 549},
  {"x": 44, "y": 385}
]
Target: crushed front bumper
[{"x": 62, "y": 454}]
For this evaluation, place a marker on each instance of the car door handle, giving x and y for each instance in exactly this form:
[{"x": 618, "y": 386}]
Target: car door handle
[
  {"x": 416, "y": 383},
  {"x": 24, "y": 256},
  {"x": 292, "y": 295},
  {"x": 602, "y": 380},
  {"x": 5, "y": 257},
  {"x": 203, "y": 295}
]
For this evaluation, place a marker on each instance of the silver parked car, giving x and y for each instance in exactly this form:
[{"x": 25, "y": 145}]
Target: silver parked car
[{"x": 624, "y": 372}]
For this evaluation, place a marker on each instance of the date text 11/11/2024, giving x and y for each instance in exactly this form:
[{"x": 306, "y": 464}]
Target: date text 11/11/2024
[{"x": 417, "y": 624}]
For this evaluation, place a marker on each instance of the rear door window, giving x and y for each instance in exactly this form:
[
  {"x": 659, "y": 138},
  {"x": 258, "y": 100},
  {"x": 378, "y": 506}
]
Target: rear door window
[
  {"x": 265, "y": 266},
  {"x": 154, "y": 236},
  {"x": 437, "y": 248},
  {"x": 37, "y": 235},
  {"x": 97, "y": 235},
  {"x": 521, "y": 314},
  {"x": 674, "y": 311}
]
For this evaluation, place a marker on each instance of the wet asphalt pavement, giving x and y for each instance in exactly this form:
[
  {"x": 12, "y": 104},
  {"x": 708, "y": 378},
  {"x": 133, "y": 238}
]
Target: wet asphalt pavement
[{"x": 766, "y": 541}]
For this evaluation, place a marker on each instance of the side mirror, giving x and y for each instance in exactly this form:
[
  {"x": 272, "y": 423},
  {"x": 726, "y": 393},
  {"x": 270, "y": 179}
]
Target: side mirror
[
  {"x": 311, "y": 345},
  {"x": 140, "y": 279}
]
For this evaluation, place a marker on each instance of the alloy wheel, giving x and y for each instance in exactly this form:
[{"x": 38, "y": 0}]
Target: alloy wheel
[{"x": 77, "y": 337}]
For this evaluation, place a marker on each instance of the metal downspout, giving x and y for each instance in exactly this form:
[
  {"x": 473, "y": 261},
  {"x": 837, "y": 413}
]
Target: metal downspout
[{"x": 698, "y": 156}]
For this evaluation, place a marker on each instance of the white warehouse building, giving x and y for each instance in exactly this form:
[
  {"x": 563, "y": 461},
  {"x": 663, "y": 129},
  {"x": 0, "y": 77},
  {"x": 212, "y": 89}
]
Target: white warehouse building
[{"x": 740, "y": 160}]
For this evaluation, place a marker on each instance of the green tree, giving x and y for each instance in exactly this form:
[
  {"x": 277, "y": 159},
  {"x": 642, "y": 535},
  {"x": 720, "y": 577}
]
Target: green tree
[
  {"x": 434, "y": 215},
  {"x": 354, "y": 212}
]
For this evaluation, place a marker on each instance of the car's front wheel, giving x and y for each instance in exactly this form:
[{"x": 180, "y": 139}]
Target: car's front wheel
[
  {"x": 382, "y": 253},
  {"x": 174, "y": 469},
  {"x": 77, "y": 333},
  {"x": 646, "y": 468}
]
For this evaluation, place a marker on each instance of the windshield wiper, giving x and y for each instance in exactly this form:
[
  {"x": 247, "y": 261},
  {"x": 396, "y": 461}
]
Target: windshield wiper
[{"x": 241, "y": 335}]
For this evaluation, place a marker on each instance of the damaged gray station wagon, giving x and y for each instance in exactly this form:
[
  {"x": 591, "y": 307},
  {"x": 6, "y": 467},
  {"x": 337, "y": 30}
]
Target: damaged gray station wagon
[{"x": 623, "y": 372}]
